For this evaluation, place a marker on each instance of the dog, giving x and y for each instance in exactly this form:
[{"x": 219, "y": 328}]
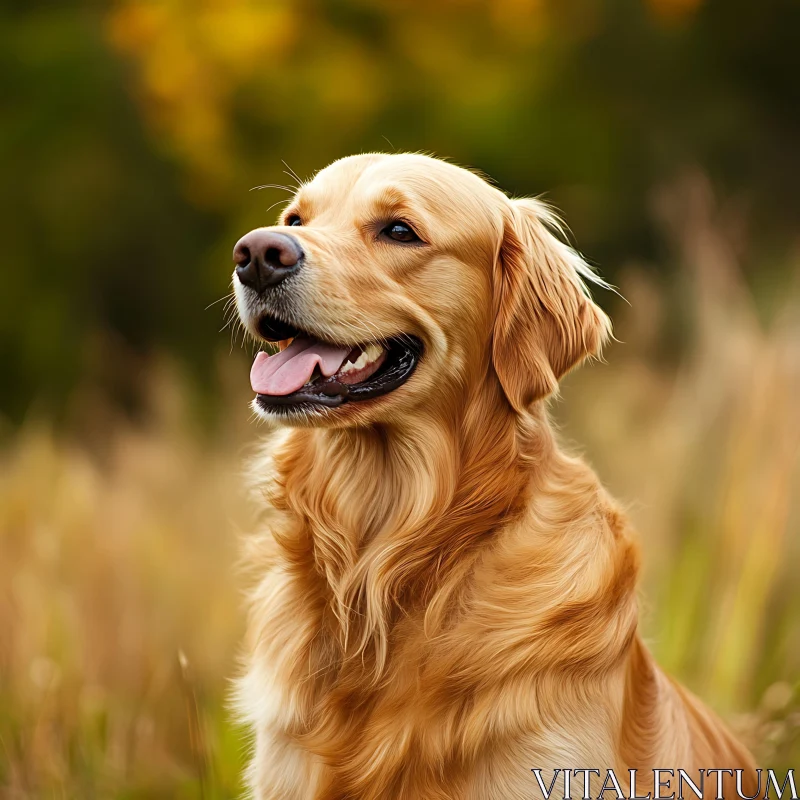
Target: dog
[{"x": 445, "y": 603}]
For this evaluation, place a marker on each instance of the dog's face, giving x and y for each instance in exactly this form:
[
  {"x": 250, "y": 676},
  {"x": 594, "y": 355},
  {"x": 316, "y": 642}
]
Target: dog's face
[{"x": 395, "y": 282}]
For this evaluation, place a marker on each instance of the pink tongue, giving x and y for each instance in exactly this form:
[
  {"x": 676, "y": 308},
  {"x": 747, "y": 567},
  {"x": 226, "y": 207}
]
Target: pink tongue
[{"x": 292, "y": 368}]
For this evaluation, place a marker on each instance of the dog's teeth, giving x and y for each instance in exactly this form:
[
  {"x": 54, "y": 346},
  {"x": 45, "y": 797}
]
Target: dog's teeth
[{"x": 369, "y": 354}]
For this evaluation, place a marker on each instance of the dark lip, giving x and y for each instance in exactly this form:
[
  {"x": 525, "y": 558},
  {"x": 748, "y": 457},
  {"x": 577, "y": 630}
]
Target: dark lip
[
  {"x": 274, "y": 329},
  {"x": 404, "y": 353}
]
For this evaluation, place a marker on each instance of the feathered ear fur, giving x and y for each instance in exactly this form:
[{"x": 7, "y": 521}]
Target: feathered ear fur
[{"x": 545, "y": 320}]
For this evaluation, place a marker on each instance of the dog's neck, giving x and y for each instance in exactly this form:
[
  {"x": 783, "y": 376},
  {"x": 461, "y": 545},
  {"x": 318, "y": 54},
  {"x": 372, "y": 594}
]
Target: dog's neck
[{"x": 390, "y": 514}]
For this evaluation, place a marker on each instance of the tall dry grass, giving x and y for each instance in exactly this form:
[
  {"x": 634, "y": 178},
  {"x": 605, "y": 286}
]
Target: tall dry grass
[
  {"x": 119, "y": 605},
  {"x": 119, "y": 614},
  {"x": 706, "y": 452}
]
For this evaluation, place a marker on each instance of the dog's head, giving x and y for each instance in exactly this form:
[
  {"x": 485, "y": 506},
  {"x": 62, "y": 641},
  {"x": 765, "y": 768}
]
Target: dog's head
[{"x": 396, "y": 282}]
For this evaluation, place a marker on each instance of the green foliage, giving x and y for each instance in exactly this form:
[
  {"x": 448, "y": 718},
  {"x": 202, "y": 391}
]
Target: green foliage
[{"x": 130, "y": 134}]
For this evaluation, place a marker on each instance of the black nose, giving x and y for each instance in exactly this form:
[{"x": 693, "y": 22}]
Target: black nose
[{"x": 265, "y": 257}]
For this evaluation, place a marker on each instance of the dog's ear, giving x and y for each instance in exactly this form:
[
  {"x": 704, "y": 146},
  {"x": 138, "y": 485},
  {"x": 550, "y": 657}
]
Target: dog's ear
[{"x": 545, "y": 320}]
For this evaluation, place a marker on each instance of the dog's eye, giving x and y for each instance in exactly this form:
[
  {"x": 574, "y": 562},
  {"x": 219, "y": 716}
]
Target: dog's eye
[
  {"x": 293, "y": 220},
  {"x": 400, "y": 232}
]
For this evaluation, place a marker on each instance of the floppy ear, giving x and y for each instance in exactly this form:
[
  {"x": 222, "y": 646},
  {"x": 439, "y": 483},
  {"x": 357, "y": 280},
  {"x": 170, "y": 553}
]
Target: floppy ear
[{"x": 545, "y": 320}]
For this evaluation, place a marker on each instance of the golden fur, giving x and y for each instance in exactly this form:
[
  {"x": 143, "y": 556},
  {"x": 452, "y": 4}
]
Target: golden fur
[{"x": 445, "y": 599}]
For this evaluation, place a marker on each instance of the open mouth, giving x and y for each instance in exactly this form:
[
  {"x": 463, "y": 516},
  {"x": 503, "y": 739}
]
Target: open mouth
[{"x": 313, "y": 372}]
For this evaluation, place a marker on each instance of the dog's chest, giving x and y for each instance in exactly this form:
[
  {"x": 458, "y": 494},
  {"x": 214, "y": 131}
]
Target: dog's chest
[
  {"x": 325, "y": 730},
  {"x": 445, "y": 720},
  {"x": 409, "y": 739}
]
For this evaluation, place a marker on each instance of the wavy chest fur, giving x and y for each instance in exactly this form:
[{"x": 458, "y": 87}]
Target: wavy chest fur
[
  {"x": 434, "y": 636},
  {"x": 435, "y": 726}
]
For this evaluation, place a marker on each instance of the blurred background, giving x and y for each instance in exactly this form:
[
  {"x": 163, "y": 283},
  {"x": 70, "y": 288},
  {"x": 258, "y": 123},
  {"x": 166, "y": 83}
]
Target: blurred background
[{"x": 132, "y": 135}]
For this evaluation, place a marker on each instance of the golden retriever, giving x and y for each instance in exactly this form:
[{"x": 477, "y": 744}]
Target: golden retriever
[{"x": 446, "y": 601}]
